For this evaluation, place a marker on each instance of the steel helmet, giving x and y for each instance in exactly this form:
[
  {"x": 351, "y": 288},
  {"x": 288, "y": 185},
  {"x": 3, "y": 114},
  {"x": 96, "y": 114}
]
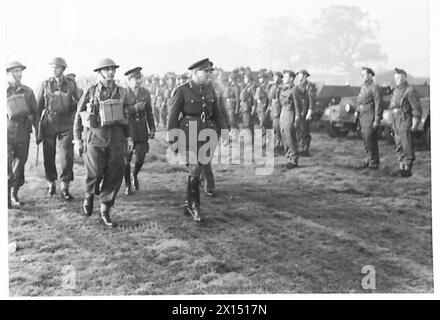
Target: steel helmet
[
  {"x": 105, "y": 63},
  {"x": 14, "y": 64},
  {"x": 58, "y": 61}
]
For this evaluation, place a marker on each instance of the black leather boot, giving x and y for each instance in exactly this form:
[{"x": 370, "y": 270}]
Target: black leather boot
[
  {"x": 105, "y": 214},
  {"x": 187, "y": 205},
  {"x": 88, "y": 205},
  {"x": 65, "y": 195},
  {"x": 195, "y": 198}
]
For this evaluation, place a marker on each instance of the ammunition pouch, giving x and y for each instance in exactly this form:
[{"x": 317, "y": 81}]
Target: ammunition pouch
[
  {"x": 111, "y": 112},
  {"x": 17, "y": 106}
]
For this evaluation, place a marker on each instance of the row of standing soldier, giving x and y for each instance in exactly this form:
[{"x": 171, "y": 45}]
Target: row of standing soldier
[{"x": 61, "y": 112}]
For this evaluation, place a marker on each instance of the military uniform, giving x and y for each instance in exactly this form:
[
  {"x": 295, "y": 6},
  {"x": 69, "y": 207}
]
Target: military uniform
[
  {"x": 106, "y": 134},
  {"x": 156, "y": 108},
  {"x": 289, "y": 110},
  {"x": 22, "y": 114},
  {"x": 141, "y": 125},
  {"x": 195, "y": 104},
  {"x": 306, "y": 95},
  {"x": 370, "y": 113},
  {"x": 57, "y": 101},
  {"x": 161, "y": 104},
  {"x": 246, "y": 104},
  {"x": 405, "y": 109},
  {"x": 275, "y": 110},
  {"x": 261, "y": 99},
  {"x": 232, "y": 103}
]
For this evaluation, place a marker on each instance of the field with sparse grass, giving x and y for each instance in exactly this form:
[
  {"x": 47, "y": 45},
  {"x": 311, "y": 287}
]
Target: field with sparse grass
[{"x": 306, "y": 230}]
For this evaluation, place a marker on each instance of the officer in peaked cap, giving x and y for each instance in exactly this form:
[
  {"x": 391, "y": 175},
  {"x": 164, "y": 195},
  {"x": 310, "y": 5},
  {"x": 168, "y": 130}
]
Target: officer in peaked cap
[
  {"x": 141, "y": 127},
  {"x": 370, "y": 113},
  {"x": 22, "y": 114},
  {"x": 103, "y": 116},
  {"x": 194, "y": 106},
  {"x": 57, "y": 101},
  {"x": 306, "y": 93},
  {"x": 406, "y": 112}
]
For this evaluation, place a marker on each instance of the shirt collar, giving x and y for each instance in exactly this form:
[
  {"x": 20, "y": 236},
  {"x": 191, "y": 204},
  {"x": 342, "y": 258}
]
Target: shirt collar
[{"x": 15, "y": 86}]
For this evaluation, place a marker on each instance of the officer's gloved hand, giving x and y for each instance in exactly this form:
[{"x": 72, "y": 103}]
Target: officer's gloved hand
[
  {"x": 130, "y": 144},
  {"x": 79, "y": 147}
]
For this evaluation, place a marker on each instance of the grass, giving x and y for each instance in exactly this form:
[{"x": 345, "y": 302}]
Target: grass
[{"x": 306, "y": 230}]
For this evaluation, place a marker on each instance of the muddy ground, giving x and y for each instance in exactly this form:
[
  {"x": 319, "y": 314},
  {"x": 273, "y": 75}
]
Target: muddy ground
[{"x": 306, "y": 230}]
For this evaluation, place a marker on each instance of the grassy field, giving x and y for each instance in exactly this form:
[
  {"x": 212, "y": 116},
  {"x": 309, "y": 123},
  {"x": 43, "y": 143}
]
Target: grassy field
[{"x": 306, "y": 230}]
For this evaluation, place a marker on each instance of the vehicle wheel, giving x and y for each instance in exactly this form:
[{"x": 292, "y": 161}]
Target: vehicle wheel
[
  {"x": 427, "y": 136},
  {"x": 335, "y": 132}
]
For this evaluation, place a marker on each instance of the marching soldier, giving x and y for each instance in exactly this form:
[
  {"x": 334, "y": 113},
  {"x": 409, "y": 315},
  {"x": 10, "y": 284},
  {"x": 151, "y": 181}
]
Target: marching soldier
[
  {"x": 370, "y": 114},
  {"x": 141, "y": 127},
  {"x": 275, "y": 108},
  {"x": 22, "y": 114},
  {"x": 406, "y": 114},
  {"x": 195, "y": 103},
  {"x": 72, "y": 76},
  {"x": 288, "y": 117},
  {"x": 103, "y": 114},
  {"x": 305, "y": 92},
  {"x": 57, "y": 101}
]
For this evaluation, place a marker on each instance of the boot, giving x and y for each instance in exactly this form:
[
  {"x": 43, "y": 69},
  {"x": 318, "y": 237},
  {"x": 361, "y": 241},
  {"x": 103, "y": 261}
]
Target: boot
[
  {"x": 192, "y": 205},
  {"x": 187, "y": 205},
  {"x": 105, "y": 215},
  {"x": 15, "y": 201},
  {"x": 292, "y": 164},
  {"x": 52, "y": 189},
  {"x": 405, "y": 171},
  {"x": 305, "y": 151},
  {"x": 98, "y": 188},
  {"x": 137, "y": 168},
  {"x": 65, "y": 195},
  {"x": 88, "y": 205}
]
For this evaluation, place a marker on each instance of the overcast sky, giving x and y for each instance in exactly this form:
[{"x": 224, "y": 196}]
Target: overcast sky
[{"x": 83, "y": 31}]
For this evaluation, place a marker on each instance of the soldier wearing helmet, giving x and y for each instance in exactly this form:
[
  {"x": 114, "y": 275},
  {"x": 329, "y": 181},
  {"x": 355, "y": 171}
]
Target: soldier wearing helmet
[
  {"x": 22, "y": 114},
  {"x": 57, "y": 100},
  {"x": 103, "y": 116},
  {"x": 232, "y": 100},
  {"x": 306, "y": 95},
  {"x": 261, "y": 103},
  {"x": 141, "y": 126}
]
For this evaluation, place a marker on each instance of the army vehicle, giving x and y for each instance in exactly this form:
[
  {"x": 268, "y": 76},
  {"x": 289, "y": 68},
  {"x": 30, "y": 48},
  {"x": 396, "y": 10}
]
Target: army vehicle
[{"x": 341, "y": 118}]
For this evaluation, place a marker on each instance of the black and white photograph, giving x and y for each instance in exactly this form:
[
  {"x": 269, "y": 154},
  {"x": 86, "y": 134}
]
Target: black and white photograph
[{"x": 217, "y": 147}]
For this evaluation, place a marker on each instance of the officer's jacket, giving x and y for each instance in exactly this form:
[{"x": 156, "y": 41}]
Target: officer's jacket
[
  {"x": 274, "y": 97},
  {"x": 288, "y": 100},
  {"x": 141, "y": 119},
  {"x": 261, "y": 98},
  {"x": 306, "y": 93},
  {"x": 67, "y": 86},
  {"x": 21, "y": 127},
  {"x": 90, "y": 102},
  {"x": 370, "y": 100},
  {"x": 193, "y": 102},
  {"x": 246, "y": 98},
  {"x": 406, "y": 98},
  {"x": 232, "y": 97}
]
